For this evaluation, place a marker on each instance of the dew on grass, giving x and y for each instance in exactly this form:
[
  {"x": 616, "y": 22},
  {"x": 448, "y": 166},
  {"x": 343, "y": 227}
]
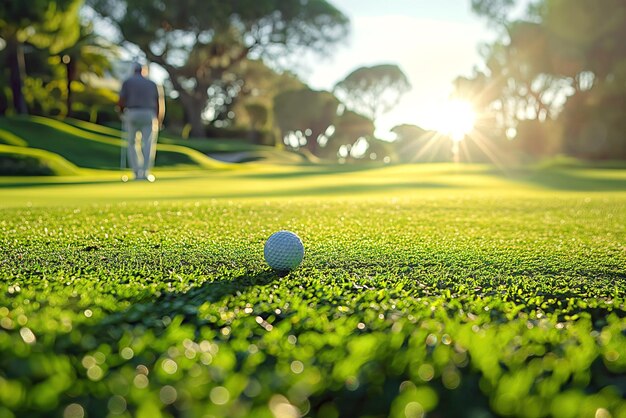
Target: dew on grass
[
  {"x": 141, "y": 381},
  {"x": 88, "y": 361},
  {"x": 219, "y": 395},
  {"x": 431, "y": 340},
  {"x": 168, "y": 395},
  {"x": 74, "y": 410},
  {"x": 413, "y": 410},
  {"x": 27, "y": 335},
  {"x": 169, "y": 366},
  {"x": 426, "y": 372},
  {"x": 168, "y": 294},
  {"x": 297, "y": 367},
  {"x": 127, "y": 353},
  {"x": 281, "y": 408},
  {"x": 95, "y": 373},
  {"x": 117, "y": 404}
]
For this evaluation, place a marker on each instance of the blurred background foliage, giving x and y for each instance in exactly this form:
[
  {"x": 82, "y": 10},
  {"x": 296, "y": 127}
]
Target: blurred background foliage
[
  {"x": 552, "y": 83},
  {"x": 555, "y": 80}
]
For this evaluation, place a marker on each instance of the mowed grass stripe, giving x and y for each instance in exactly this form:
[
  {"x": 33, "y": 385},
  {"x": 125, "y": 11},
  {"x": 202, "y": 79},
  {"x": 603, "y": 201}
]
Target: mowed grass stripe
[{"x": 90, "y": 149}]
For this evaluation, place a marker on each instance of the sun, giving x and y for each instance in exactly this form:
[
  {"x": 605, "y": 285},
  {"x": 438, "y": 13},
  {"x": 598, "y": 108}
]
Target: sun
[{"x": 456, "y": 119}]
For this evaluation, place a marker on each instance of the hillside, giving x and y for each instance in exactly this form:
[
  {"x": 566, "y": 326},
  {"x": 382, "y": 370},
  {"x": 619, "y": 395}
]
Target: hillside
[{"x": 35, "y": 145}]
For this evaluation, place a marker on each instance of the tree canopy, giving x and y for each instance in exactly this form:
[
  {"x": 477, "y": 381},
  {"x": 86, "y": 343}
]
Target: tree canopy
[
  {"x": 91, "y": 54},
  {"x": 51, "y": 24},
  {"x": 563, "y": 61},
  {"x": 373, "y": 91},
  {"x": 199, "y": 43},
  {"x": 306, "y": 114},
  {"x": 349, "y": 128}
]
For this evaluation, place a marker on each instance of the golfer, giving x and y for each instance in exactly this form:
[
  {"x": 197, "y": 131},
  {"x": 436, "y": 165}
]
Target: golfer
[{"x": 143, "y": 107}]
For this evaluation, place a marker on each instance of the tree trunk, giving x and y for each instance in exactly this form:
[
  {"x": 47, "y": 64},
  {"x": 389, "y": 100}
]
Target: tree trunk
[
  {"x": 70, "y": 69},
  {"x": 15, "y": 62},
  {"x": 193, "y": 103},
  {"x": 311, "y": 142},
  {"x": 193, "y": 111}
]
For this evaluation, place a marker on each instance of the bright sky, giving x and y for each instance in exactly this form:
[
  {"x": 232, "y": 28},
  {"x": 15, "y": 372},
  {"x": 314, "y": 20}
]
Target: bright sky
[{"x": 432, "y": 41}]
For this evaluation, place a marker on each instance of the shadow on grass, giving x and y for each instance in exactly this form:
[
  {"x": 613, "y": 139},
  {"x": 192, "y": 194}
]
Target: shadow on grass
[
  {"x": 185, "y": 304},
  {"x": 55, "y": 181},
  {"x": 334, "y": 190},
  {"x": 313, "y": 170},
  {"x": 552, "y": 179},
  {"x": 571, "y": 180},
  {"x": 23, "y": 184}
]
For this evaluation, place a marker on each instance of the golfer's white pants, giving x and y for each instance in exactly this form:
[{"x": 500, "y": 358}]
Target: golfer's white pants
[{"x": 141, "y": 128}]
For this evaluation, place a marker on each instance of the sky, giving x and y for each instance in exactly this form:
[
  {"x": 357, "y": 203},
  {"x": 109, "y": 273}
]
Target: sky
[{"x": 432, "y": 41}]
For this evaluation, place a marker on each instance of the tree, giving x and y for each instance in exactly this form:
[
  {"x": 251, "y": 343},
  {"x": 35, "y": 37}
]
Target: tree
[
  {"x": 90, "y": 54},
  {"x": 35, "y": 22},
  {"x": 199, "y": 43},
  {"x": 373, "y": 91},
  {"x": 496, "y": 11},
  {"x": 349, "y": 127},
  {"x": 414, "y": 144},
  {"x": 259, "y": 85},
  {"x": 520, "y": 80},
  {"x": 560, "y": 62},
  {"x": 588, "y": 33},
  {"x": 380, "y": 150},
  {"x": 305, "y": 115}
]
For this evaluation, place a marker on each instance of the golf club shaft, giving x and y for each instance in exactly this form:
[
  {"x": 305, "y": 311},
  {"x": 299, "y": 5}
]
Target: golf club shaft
[{"x": 124, "y": 147}]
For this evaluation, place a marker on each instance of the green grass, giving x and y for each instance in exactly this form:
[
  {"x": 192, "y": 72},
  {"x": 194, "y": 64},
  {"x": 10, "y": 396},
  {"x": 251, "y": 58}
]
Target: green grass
[
  {"x": 74, "y": 147},
  {"x": 212, "y": 146},
  {"x": 46, "y": 160},
  {"x": 89, "y": 147},
  {"x": 437, "y": 289}
]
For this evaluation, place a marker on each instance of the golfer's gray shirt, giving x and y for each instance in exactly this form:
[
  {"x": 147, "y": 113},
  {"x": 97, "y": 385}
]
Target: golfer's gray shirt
[{"x": 139, "y": 93}]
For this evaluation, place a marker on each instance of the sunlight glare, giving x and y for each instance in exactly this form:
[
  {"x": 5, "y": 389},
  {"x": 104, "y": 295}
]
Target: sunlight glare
[{"x": 455, "y": 119}]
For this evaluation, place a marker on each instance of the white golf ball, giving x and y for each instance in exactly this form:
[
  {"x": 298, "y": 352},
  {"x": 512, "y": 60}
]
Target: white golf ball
[{"x": 283, "y": 251}]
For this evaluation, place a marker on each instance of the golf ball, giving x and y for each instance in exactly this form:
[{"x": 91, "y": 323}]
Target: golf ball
[{"x": 283, "y": 251}]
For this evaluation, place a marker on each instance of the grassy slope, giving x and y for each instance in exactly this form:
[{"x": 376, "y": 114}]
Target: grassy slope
[
  {"x": 57, "y": 164},
  {"x": 85, "y": 147},
  {"x": 211, "y": 146},
  {"x": 424, "y": 288}
]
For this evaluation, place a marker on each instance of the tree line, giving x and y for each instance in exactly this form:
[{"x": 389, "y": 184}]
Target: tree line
[
  {"x": 553, "y": 82},
  {"x": 555, "y": 79},
  {"x": 224, "y": 65}
]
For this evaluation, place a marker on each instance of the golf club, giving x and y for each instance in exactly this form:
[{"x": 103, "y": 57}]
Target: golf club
[{"x": 123, "y": 151}]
